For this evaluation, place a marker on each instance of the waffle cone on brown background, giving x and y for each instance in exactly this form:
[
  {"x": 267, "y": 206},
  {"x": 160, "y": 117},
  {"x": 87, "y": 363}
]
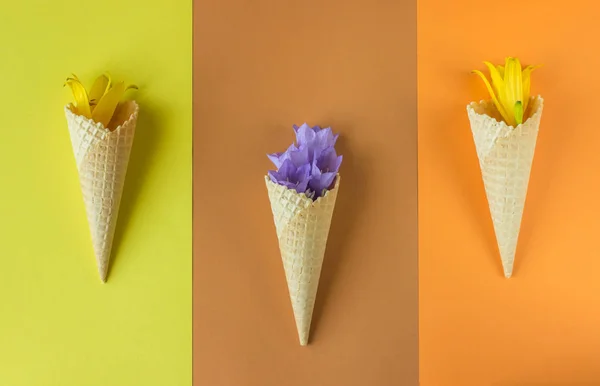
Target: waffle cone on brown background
[
  {"x": 505, "y": 157},
  {"x": 302, "y": 228},
  {"x": 102, "y": 157}
]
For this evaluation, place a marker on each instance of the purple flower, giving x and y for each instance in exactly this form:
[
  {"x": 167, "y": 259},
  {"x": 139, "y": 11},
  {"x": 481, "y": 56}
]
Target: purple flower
[
  {"x": 328, "y": 161},
  {"x": 298, "y": 156},
  {"x": 291, "y": 176},
  {"x": 320, "y": 181},
  {"x": 311, "y": 165},
  {"x": 315, "y": 138},
  {"x": 324, "y": 170},
  {"x": 276, "y": 158}
]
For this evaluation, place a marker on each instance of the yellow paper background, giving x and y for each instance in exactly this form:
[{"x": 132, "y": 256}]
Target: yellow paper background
[{"x": 59, "y": 325}]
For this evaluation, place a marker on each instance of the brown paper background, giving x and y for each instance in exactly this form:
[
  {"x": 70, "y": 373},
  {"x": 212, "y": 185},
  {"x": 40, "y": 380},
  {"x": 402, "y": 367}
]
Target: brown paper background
[{"x": 259, "y": 67}]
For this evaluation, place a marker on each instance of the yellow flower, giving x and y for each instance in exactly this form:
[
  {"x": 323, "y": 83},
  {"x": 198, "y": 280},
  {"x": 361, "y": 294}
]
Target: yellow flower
[
  {"x": 510, "y": 89},
  {"x": 101, "y": 102}
]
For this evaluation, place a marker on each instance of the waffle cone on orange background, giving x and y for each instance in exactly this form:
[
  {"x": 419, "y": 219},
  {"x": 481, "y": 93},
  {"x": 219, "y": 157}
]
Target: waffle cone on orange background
[
  {"x": 102, "y": 157},
  {"x": 302, "y": 229},
  {"x": 505, "y": 156}
]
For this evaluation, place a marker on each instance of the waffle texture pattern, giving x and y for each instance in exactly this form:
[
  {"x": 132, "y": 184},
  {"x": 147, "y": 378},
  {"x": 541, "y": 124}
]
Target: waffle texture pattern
[
  {"x": 505, "y": 157},
  {"x": 302, "y": 228},
  {"x": 102, "y": 157}
]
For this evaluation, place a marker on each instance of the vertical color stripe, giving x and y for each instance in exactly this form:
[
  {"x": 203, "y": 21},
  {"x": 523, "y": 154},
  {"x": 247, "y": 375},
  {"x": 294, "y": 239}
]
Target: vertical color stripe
[
  {"x": 541, "y": 326},
  {"x": 259, "y": 67},
  {"x": 59, "y": 325}
]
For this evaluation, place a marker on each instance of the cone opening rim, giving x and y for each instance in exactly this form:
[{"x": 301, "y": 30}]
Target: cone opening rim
[
  {"x": 99, "y": 126},
  {"x": 471, "y": 108},
  {"x": 303, "y": 196}
]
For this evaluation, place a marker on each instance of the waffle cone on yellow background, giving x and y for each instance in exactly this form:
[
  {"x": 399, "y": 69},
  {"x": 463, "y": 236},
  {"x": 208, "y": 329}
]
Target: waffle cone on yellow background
[
  {"x": 102, "y": 157},
  {"x": 505, "y": 157},
  {"x": 302, "y": 229}
]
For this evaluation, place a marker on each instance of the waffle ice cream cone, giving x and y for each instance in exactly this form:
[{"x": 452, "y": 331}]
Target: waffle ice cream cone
[
  {"x": 505, "y": 157},
  {"x": 102, "y": 157},
  {"x": 302, "y": 228}
]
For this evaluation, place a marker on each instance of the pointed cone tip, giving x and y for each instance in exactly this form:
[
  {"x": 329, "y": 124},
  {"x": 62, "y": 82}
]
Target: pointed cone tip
[
  {"x": 508, "y": 268},
  {"x": 302, "y": 336},
  {"x": 103, "y": 276}
]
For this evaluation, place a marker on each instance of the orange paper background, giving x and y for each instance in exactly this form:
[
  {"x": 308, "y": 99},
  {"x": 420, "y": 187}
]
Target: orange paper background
[
  {"x": 541, "y": 326},
  {"x": 260, "y": 67}
]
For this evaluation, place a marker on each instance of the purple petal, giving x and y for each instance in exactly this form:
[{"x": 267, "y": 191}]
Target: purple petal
[
  {"x": 327, "y": 179},
  {"x": 289, "y": 185},
  {"x": 315, "y": 171},
  {"x": 300, "y": 156},
  {"x": 287, "y": 169},
  {"x": 338, "y": 163},
  {"x": 328, "y": 161},
  {"x": 301, "y": 186},
  {"x": 326, "y": 138},
  {"x": 275, "y": 158},
  {"x": 278, "y": 158},
  {"x": 320, "y": 181},
  {"x": 274, "y": 176},
  {"x": 303, "y": 172},
  {"x": 317, "y": 153},
  {"x": 305, "y": 136},
  {"x": 302, "y": 177},
  {"x": 291, "y": 177}
]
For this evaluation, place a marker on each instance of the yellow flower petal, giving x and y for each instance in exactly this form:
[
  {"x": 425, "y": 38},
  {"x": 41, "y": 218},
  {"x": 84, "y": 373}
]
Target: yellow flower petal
[
  {"x": 100, "y": 87},
  {"x": 500, "y": 69},
  {"x": 108, "y": 103},
  {"x": 494, "y": 98},
  {"x": 81, "y": 98},
  {"x": 527, "y": 84},
  {"x": 514, "y": 86},
  {"x": 497, "y": 83}
]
